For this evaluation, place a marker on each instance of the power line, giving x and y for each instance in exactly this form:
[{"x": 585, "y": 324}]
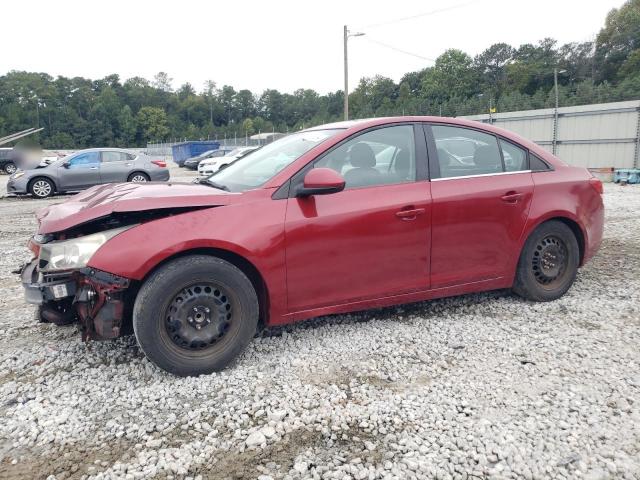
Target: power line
[
  {"x": 391, "y": 47},
  {"x": 426, "y": 14}
]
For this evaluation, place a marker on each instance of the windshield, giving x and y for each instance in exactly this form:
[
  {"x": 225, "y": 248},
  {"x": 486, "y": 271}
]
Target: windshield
[{"x": 254, "y": 170}]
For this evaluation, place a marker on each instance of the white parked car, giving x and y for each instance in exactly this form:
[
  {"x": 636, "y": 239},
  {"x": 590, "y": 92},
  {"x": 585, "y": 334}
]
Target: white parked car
[{"x": 212, "y": 165}]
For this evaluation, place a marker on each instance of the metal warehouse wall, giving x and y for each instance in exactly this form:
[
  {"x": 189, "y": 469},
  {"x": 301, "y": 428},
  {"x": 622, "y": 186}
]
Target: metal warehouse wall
[{"x": 594, "y": 136}]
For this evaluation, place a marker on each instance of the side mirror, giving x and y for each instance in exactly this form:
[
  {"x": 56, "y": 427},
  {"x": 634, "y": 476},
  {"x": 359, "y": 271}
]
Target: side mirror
[
  {"x": 66, "y": 164},
  {"x": 321, "y": 181}
]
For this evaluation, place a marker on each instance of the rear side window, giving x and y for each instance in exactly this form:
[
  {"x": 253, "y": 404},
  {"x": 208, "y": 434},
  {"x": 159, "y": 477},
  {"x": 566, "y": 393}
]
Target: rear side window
[
  {"x": 463, "y": 152},
  {"x": 130, "y": 156},
  {"x": 536, "y": 164},
  {"x": 108, "y": 157},
  {"x": 515, "y": 158}
]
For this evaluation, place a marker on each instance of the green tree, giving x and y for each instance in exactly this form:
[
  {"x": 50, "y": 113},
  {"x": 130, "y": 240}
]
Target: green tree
[
  {"x": 152, "y": 124},
  {"x": 127, "y": 127},
  {"x": 451, "y": 76},
  {"x": 618, "y": 39}
]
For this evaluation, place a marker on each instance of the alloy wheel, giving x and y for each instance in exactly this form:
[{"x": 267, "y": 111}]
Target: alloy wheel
[
  {"x": 139, "y": 178},
  {"x": 41, "y": 188},
  {"x": 10, "y": 168}
]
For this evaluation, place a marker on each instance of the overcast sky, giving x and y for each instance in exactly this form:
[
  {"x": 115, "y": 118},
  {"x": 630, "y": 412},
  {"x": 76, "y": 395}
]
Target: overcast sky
[{"x": 273, "y": 44}]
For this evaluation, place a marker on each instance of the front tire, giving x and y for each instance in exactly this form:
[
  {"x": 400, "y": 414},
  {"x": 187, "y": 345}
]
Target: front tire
[
  {"x": 548, "y": 263},
  {"x": 195, "y": 315},
  {"x": 41, "y": 187}
]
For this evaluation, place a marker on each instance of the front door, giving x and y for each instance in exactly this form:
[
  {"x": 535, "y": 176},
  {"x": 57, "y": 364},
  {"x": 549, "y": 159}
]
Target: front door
[
  {"x": 80, "y": 171},
  {"x": 481, "y": 198},
  {"x": 371, "y": 240}
]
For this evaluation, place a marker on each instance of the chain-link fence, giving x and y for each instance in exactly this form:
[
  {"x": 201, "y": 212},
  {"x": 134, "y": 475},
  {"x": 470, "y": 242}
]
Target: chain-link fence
[{"x": 165, "y": 149}]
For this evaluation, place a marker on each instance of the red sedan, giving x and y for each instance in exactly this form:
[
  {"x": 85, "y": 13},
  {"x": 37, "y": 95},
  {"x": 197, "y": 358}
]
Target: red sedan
[{"x": 336, "y": 218}]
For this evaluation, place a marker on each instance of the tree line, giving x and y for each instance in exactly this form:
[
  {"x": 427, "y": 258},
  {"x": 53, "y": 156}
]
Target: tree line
[{"x": 79, "y": 112}]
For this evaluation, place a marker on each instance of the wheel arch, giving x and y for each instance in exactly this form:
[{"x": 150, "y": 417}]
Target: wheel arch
[
  {"x": 136, "y": 171},
  {"x": 569, "y": 221},
  {"x": 245, "y": 266}
]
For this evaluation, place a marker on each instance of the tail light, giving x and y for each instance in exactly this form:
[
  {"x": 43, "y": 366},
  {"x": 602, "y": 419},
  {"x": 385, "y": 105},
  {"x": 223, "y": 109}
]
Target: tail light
[
  {"x": 160, "y": 163},
  {"x": 597, "y": 185}
]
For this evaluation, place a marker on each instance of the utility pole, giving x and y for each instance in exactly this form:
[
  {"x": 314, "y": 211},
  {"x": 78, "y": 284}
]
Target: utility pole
[
  {"x": 555, "y": 112},
  {"x": 346, "y": 75},
  {"x": 346, "y": 70},
  {"x": 490, "y": 110}
]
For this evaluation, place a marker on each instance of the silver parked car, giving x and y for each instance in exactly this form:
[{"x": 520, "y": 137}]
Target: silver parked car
[{"x": 87, "y": 168}]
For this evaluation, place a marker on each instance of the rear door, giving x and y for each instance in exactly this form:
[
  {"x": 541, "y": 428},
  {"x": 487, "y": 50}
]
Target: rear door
[
  {"x": 370, "y": 240},
  {"x": 481, "y": 189},
  {"x": 115, "y": 166},
  {"x": 80, "y": 171}
]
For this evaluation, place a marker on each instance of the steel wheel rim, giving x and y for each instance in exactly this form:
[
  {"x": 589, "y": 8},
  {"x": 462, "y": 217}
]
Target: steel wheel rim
[
  {"x": 138, "y": 179},
  {"x": 199, "y": 316},
  {"x": 41, "y": 188},
  {"x": 10, "y": 169},
  {"x": 550, "y": 261}
]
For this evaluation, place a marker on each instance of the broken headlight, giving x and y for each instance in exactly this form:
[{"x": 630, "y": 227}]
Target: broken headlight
[{"x": 75, "y": 252}]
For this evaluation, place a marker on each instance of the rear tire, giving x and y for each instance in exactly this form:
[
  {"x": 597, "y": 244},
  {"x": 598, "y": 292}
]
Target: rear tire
[
  {"x": 41, "y": 187},
  {"x": 195, "y": 315},
  {"x": 138, "y": 177},
  {"x": 548, "y": 264}
]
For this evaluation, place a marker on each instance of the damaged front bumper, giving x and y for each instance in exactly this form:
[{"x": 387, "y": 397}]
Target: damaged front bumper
[{"x": 99, "y": 301}]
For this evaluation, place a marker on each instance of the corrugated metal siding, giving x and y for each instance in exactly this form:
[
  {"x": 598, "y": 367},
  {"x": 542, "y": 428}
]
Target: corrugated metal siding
[{"x": 599, "y": 135}]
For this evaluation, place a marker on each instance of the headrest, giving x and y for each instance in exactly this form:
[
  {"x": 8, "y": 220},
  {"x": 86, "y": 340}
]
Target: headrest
[{"x": 361, "y": 156}]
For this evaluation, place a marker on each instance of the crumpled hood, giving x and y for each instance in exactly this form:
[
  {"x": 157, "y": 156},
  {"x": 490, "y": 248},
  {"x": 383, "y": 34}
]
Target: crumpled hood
[{"x": 102, "y": 200}]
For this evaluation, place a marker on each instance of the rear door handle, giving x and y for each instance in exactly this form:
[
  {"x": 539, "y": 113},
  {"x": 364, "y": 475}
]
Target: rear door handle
[
  {"x": 93, "y": 168},
  {"x": 410, "y": 214},
  {"x": 511, "y": 197}
]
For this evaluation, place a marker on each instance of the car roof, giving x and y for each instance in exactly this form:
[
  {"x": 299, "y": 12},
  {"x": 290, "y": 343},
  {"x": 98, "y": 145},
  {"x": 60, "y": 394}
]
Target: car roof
[{"x": 105, "y": 149}]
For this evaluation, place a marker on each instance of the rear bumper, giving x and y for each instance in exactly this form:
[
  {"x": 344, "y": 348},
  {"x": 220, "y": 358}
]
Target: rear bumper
[
  {"x": 159, "y": 175},
  {"x": 594, "y": 233}
]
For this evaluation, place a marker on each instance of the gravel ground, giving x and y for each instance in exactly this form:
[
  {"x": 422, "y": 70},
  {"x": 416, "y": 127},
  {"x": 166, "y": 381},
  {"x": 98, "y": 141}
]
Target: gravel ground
[{"x": 480, "y": 386}]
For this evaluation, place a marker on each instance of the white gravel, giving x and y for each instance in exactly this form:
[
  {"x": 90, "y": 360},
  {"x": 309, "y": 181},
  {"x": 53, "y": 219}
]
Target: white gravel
[{"x": 481, "y": 386}]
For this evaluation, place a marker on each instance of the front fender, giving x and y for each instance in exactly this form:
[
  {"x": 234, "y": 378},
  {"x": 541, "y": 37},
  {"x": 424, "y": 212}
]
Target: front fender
[{"x": 254, "y": 231}]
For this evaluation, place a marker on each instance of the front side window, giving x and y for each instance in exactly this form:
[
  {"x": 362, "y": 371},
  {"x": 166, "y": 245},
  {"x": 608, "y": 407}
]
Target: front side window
[
  {"x": 378, "y": 157},
  {"x": 463, "y": 152},
  {"x": 85, "y": 159},
  {"x": 515, "y": 158},
  {"x": 252, "y": 171}
]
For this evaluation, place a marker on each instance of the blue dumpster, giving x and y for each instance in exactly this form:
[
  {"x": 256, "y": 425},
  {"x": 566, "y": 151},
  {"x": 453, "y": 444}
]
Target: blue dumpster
[
  {"x": 183, "y": 151},
  {"x": 627, "y": 175}
]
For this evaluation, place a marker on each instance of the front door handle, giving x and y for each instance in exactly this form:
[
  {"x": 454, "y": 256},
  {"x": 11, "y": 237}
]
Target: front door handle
[
  {"x": 511, "y": 197},
  {"x": 93, "y": 168},
  {"x": 409, "y": 214}
]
